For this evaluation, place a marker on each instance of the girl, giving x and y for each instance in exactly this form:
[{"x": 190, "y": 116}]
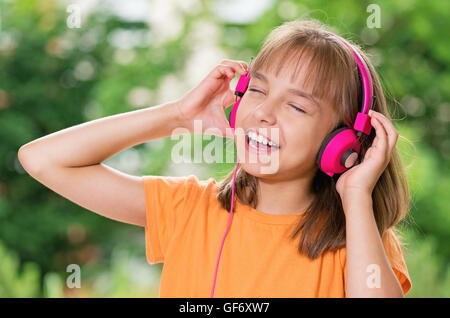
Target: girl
[{"x": 294, "y": 233}]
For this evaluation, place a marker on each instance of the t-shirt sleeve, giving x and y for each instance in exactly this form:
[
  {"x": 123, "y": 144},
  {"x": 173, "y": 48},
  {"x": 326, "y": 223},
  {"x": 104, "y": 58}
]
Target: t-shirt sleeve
[
  {"x": 166, "y": 208},
  {"x": 394, "y": 254}
]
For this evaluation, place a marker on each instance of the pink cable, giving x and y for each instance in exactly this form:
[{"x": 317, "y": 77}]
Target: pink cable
[{"x": 229, "y": 219}]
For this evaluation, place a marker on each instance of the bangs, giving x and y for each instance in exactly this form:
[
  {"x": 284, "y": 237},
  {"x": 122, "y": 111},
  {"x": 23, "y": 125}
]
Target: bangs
[{"x": 327, "y": 71}]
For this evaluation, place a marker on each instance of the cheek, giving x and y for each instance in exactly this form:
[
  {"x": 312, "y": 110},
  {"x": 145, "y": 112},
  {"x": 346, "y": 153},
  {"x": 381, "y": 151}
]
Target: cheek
[
  {"x": 303, "y": 144},
  {"x": 242, "y": 111}
]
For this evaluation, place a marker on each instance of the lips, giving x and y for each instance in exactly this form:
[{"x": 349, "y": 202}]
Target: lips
[
  {"x": 256, "y": 136},
  {"x": 256, "y": 147}
]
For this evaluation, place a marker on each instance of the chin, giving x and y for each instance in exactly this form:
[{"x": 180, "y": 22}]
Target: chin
[{"x": 260, "y": 170}]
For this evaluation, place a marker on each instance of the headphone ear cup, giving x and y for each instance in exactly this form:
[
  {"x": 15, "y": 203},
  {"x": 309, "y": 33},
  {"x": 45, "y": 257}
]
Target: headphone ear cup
[
  {"x": 325, "y": 142},
  {"x": 349, "y": 158},
  {"x": 335, "y": 153}
]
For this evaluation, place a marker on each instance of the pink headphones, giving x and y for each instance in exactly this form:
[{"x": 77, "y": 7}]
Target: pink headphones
[{"x": 339, "y": 150}]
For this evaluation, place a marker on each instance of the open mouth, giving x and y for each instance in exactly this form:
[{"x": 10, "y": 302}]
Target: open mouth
[{"x": 259, "y": 144}]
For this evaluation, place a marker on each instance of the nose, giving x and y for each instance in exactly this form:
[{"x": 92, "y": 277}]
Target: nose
[{"x": 265, "y": 113}]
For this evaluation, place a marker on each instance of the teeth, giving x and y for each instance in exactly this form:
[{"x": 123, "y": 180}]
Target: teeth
[{"x": 259, "y": 138}]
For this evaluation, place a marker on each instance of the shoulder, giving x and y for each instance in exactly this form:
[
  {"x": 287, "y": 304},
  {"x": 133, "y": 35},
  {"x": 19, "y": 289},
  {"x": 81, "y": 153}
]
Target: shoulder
[
  {"x": 172, "y": 187},
  {"x": 190, "y": 181}
]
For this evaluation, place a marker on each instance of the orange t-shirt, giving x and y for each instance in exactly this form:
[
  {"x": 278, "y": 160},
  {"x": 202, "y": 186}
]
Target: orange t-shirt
[{"x": 184, "y": 230}]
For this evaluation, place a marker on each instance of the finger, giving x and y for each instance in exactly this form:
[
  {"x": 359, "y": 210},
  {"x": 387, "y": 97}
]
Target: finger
[
  {"x": 390, "y": 129},
  {"x": 236, "y": 66},
  {"x": 229, "y": 71},
  {"x": 228, "y": 99},
  {"x": 242, "y": 64},
  {"x": 380, "y": 141},
  {"x": 224, "y": 70}
]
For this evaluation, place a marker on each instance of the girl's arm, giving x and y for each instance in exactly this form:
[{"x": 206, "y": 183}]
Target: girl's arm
[
  {"x": 369, "y": 273},
  {"x": 95, "y": 141},
  {"x": 69, "y": 161}
]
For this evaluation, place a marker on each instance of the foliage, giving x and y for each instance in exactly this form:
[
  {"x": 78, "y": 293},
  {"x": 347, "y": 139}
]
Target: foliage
[
  {"x": 17, "y": 280},
  {"x": 54, "y": 77}
]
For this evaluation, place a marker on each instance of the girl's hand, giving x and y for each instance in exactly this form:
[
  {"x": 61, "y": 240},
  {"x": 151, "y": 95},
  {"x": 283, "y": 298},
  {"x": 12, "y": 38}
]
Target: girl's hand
[
  {"x": 362, "y": 178},
  {"x": 208, "y": 100}
]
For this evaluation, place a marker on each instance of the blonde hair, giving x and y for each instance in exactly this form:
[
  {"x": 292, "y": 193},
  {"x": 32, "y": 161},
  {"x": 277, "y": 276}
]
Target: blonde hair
[{"x": 322, "y": 225}]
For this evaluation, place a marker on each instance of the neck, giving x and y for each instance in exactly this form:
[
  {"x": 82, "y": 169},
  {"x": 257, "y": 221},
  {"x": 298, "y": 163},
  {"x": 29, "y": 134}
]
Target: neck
[{"x": 284, "y": 197}]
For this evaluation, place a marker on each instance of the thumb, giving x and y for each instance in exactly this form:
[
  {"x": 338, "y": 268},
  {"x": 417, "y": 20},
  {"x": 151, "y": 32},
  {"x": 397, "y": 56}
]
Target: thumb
[{"x": 228, "y": 99}]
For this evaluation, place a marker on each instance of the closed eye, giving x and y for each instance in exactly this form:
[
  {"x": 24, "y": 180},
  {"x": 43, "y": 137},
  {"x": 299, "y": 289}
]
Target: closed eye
[
  {"x": 254, "y": 90},
  {"x": 297, "y": 109}
]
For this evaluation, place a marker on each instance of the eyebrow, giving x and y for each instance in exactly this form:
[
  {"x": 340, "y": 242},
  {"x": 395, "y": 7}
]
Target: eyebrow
[{"x": 292, "y": 91}]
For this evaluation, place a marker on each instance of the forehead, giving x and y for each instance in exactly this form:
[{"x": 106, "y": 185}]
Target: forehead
[{"x": 293, "y": 65}]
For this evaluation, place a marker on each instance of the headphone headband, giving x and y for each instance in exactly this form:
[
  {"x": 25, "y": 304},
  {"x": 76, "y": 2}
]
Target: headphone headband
[
  {"x": 365, "y": 76},
  {"x": 362, "y": 121}
]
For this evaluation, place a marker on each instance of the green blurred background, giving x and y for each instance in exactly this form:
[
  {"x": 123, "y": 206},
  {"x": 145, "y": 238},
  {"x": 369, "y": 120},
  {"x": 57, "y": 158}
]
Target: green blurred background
[{"x": 132, "y": 54}]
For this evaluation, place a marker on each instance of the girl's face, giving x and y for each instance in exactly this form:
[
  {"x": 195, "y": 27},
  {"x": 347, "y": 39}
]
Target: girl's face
[{"x": 288, "y": 115}]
